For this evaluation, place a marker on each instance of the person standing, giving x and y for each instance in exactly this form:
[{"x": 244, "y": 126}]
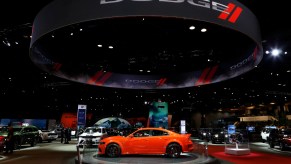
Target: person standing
[
  {"x": 10, "y": 140},
  {"x": 62, "y": 135},
  {"x": 66, "y": 135}
]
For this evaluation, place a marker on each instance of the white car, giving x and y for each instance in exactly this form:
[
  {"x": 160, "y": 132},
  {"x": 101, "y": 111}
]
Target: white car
[
  {"x": 266, "y": 132},
  {"x": 91, "y": 136},
  {"x": 46, "y": 135}
]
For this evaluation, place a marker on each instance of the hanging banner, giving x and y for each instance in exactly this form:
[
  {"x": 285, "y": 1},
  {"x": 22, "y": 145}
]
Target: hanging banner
[
  {"x": 81, "y": 115},
  {"x": 158, "y": 114}
]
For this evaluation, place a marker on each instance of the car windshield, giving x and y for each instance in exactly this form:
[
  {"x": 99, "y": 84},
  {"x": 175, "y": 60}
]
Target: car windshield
[
  {"x": 286, "y": 131},
  {"x": 217, "y": 131},
  {"x": 92, "y": 130},
  {"x": 3, "y": 129},
  {"x": 17, "y": 129}
]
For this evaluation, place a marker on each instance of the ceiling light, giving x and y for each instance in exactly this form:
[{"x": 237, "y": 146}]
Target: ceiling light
[
  {"x": 192, "y": 27},
  {"x": 285, "y": 52},
  {"x": 276, "y": 52},
  {"x": 110, "y": 47},
  {"x": 203, "y": 30},
  {"x": 81, "y": 29},
  {"x": 99, "y": 45},
  {"x": 267, "y": 52}
]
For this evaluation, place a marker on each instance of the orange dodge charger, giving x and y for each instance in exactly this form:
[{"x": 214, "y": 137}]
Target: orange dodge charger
[{"x": 147, "y": 141}]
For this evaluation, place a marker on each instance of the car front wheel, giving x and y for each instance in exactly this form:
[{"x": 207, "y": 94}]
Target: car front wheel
[
  {"x": 173, "y": 150},
  {"x": 272, "y": 145},
  {"x": 113, "y": 150}
]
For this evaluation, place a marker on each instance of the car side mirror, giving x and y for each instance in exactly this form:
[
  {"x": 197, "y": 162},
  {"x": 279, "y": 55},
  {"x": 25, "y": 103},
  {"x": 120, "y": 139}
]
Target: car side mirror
[{"x": 130, "y": 136}]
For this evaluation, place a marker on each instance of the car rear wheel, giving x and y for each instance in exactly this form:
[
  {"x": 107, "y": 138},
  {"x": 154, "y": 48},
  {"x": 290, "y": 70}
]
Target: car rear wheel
[
  {"x": 173, "y": 150},
  {"x": 282, "y": 146},
  {"x": 33, "y": 142},
  {"x": 113, "y": 150},
  {"x": 16, "y": 145}
]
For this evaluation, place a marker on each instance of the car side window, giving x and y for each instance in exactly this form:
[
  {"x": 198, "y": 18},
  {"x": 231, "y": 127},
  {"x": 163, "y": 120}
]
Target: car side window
[
  {"x": 157, "y": 133},
  {"x": 26, "y": 130},
  {"x": 142, "y": 133},
  {"x": 34, "y": 129}
]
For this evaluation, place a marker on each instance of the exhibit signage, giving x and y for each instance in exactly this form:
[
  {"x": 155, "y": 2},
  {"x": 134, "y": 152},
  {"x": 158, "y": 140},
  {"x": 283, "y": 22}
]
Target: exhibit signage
[
  {"x": 183, "y": 127},
  {"x": 81, "y": 116},
  {"x": 231, "y": 129}
]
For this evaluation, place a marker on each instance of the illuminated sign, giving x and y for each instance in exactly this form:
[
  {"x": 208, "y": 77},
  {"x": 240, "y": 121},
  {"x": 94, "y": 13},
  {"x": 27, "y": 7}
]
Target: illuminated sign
[{"x": 81, "y": 116}]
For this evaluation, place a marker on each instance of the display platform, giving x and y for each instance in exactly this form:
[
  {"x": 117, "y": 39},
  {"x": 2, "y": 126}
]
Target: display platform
[
  {"x": 237, "y": 143},
  {"x": 236, "y": 151},
  {"x": 185, "y": 158}
]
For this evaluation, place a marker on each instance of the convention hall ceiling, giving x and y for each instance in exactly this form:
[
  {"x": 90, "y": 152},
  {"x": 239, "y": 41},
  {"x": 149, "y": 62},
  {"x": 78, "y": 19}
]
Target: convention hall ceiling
[{"x": 31, "y": 89}]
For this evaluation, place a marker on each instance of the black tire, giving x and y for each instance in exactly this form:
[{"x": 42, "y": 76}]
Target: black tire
[
  {"x": 173, "y": 150},
  {"x": 272, "y": 145},
  {"x": 282, "y": 146},
  {"x": 16, "y": 145},
  {"x": 113, "y": 150},
  {"x": 40, "y": 140},
  {"x": 34, "y": 142}
]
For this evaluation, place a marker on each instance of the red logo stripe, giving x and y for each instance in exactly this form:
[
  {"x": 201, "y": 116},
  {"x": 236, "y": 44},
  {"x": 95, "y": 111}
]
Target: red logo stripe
[
  {"x": 227, "y": 11},
  {"x": 161, "y": 81},
  {"x": 202, "y": 76},
  {"x": 255, "y": 53},
  {"x": 235, "y": 15},
  {"x": 210, "y": 75},
  {"x": 57, "y": 66},
  {"x": 104, "y": 78},
  {"x": 95, "y": 77}
]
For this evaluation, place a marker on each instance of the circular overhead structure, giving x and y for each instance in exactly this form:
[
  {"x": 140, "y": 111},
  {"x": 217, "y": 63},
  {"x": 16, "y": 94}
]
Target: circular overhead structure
[{"x": 146, "y": 44}]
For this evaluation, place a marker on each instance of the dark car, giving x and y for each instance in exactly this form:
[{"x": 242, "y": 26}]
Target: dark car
[
  {"x": 218, "y": 136},
  {"x": 205, "y": 134},
  {"x": 23, "y": 135},
  {"x": 280, "y": 137}
]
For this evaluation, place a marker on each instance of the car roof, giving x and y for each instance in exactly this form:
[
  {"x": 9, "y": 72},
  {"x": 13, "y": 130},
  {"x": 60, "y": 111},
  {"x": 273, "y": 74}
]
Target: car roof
[
  {"x": 18, "y": 126},
  {"x": 153, "y": 128}
]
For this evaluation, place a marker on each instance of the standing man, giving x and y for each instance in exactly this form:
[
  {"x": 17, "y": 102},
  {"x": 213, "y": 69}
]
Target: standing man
[
  {"x": 62, "y": 134},
  {"x": 66, "y": 135},
  {"x": 10, "y": 140}
]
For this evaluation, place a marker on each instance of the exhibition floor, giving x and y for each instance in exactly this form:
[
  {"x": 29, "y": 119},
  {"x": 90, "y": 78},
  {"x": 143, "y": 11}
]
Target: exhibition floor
[
  {"x": 260, "y": 153},
  {"x": 254, "y": 157},
  {"x": 58, "y": 153}
]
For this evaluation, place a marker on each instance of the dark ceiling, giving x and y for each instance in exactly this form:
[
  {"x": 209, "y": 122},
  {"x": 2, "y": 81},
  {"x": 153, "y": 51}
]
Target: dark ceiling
[{"x": 27, "y": 91}]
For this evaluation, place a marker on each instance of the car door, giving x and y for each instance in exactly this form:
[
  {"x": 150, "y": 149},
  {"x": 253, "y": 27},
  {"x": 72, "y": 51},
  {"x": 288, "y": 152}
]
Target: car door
[
  {"x": 158, "y": 141},
  {"x": 138, "y": 143},
  {"x": 25, "y": 133}
]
